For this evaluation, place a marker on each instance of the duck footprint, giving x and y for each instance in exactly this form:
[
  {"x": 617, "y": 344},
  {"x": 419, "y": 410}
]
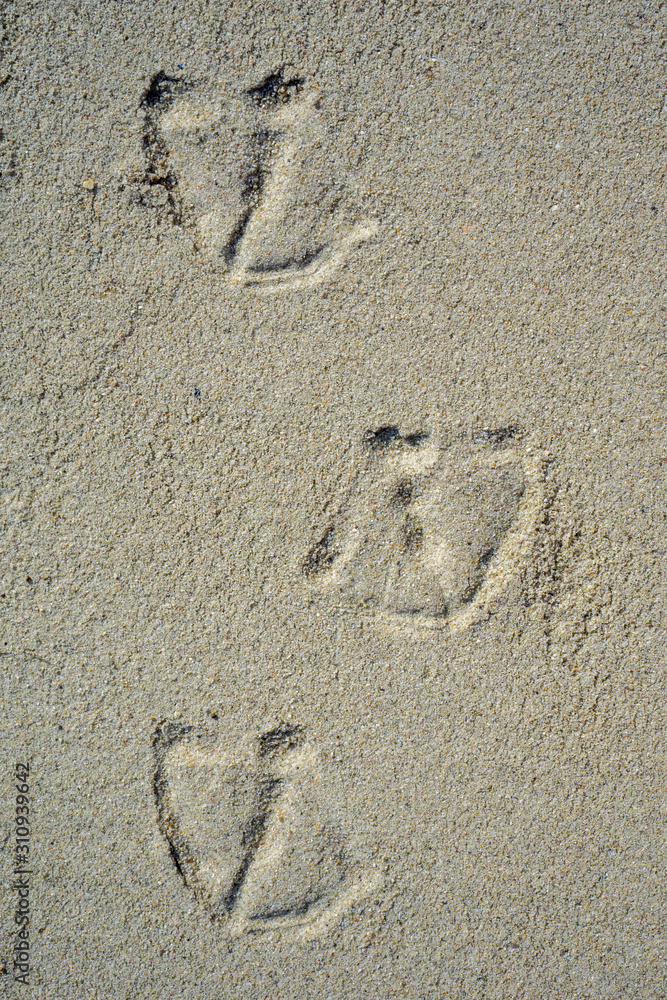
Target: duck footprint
[
  {"x": 252, "y": 832},
  {"x": 426, "y": 535},
  {"x": 275, "y": 215}
]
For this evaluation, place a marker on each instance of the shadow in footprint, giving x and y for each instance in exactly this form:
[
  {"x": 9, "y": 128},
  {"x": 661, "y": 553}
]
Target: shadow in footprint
[{"x": 274, "y": 90}]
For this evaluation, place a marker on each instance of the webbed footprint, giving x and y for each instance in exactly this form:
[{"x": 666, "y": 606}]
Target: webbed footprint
[
  {"x": 292, "y": 219},
  {"x": 427, "y": 534},
  {"x": 256, "y": 830}
]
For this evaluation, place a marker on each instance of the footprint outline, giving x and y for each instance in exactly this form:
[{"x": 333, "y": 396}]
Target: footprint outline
[
  {"x": 288, "y": 123},
  {"x": 327, "y": 561},
  {"x": 267, "y": 840}
]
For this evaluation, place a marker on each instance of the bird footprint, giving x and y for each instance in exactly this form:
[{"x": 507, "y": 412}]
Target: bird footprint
[
  {"x": 425, "y": 535},
  {"x": 257, "y": 830}
]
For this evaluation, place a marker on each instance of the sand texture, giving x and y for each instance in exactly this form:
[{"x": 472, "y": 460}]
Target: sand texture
[{"x": 332, "y": 575}]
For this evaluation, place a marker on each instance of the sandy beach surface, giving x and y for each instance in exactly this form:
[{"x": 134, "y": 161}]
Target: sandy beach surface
[{"x": 333, "y": 500}]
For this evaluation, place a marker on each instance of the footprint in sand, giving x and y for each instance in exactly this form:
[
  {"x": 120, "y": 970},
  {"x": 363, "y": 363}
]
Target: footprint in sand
[
  {"x": 288, "y": 224},
  {"x": 425, "y": 535},
  {"x": 258, "y": 830}
]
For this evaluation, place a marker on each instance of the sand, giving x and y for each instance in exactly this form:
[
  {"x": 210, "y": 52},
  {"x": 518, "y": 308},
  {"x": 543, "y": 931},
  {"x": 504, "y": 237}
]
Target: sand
[{"x": 333, "y": 482}]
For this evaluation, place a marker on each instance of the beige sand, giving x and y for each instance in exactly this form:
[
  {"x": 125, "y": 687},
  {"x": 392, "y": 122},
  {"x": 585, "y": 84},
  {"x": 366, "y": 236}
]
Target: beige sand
[{"x": 333, "y": 482}]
